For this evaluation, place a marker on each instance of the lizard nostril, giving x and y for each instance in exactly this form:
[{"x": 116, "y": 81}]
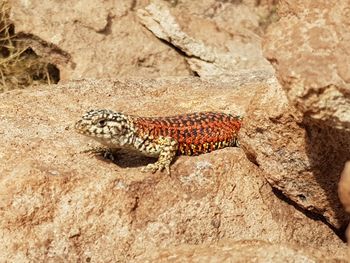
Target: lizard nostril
[{"x": 78, "y": 125}]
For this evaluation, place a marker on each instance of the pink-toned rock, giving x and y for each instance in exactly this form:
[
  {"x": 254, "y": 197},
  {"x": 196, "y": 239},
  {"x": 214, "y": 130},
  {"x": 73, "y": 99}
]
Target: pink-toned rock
[
  {"x": 344, "y": 187},
  {"x": 61, "y": 204},
  {"x": 344, "y": 194}
]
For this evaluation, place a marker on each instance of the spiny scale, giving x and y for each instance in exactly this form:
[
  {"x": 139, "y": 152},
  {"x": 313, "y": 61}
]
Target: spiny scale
[{"x": 196, "y": 133}]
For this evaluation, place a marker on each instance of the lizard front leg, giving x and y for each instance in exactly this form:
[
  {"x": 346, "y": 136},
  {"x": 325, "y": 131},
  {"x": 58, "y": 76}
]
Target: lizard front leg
[{"x": 168, "y": 148}]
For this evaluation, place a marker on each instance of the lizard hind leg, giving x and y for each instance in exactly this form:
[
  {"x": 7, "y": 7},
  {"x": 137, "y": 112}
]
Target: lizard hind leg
[{"x": 168, "y": 148}]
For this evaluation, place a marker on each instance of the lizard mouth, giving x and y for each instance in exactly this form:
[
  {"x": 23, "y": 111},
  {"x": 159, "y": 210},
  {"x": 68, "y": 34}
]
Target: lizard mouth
[{"x": 81, "y": 127}]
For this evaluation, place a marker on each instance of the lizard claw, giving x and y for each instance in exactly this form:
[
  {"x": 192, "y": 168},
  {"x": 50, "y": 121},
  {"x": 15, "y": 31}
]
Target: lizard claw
[{"x": 167, "y": 169}]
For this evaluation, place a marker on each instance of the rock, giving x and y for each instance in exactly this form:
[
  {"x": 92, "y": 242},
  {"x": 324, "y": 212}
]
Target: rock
[
  {"x": 94, "y": 39},
  {"x": 241, "y": 251},
  {"x": 105, "y": 39},
  {"x": 203, "y": 59},
  {"x": 310, "y": 50},
  {"x": 304, "y": 162},
  {"x": 290, "y": 137},
  {"x": 61, "y": 204}
]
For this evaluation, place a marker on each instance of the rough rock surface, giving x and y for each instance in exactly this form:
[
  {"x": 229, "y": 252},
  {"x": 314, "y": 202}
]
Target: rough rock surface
[
  {"x": 304, "y": 162},
  {"x": 203, "y": 59},
  {"x": 106, "y": 38},
  {"x": 242, "y": 251},
  {"x": 295, "y": 138},
  {"x": 94, "y": 39},
  {"x": 59, "y": 203},
  {"x": 310, "y": 50}
]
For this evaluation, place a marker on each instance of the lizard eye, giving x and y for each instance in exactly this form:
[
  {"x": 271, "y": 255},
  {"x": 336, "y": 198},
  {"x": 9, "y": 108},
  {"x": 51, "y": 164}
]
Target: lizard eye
[{"x": 101, "y": 123}]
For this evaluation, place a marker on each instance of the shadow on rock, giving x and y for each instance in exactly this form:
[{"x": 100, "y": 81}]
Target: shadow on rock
[
  {"x": 125, "y": 159},
  {"x": 328, "y": 149}
]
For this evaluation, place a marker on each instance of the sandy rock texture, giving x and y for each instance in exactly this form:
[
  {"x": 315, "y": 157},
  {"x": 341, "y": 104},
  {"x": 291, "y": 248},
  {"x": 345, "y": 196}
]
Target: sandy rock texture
[
  {"x": 304, "y": 162},
  {"x": 298, "y": 133},
  {"x": 61, "y": 204},
  {"x": 203, "y": 59},
  {"x": 310, "y": 50},
  {"x": 108, "y": 38},
  {"x": 241, "y": 251}
]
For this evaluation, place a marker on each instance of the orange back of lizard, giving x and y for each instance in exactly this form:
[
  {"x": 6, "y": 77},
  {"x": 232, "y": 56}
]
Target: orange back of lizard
[{"x": 196, "y": 133}]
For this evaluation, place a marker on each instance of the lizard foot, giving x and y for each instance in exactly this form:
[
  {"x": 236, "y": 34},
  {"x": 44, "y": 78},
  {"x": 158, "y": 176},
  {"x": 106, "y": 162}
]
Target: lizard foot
[{"x": 157, "y": 166}]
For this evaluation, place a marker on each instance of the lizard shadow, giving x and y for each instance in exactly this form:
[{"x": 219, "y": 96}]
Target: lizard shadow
[{"x": 124, "y": 159}]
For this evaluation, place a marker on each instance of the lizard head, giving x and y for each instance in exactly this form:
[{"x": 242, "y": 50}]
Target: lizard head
[{"x": 103, "y": 125}]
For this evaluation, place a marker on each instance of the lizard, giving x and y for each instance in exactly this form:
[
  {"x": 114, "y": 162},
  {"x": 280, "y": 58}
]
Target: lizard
[{"x": 161, "y": 137}]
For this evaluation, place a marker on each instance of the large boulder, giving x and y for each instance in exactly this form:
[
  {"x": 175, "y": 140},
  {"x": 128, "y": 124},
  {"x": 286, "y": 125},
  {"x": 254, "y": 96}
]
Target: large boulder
[
  {"x": 60, "y": 203},
  {"x": 299, "y": 133}
]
